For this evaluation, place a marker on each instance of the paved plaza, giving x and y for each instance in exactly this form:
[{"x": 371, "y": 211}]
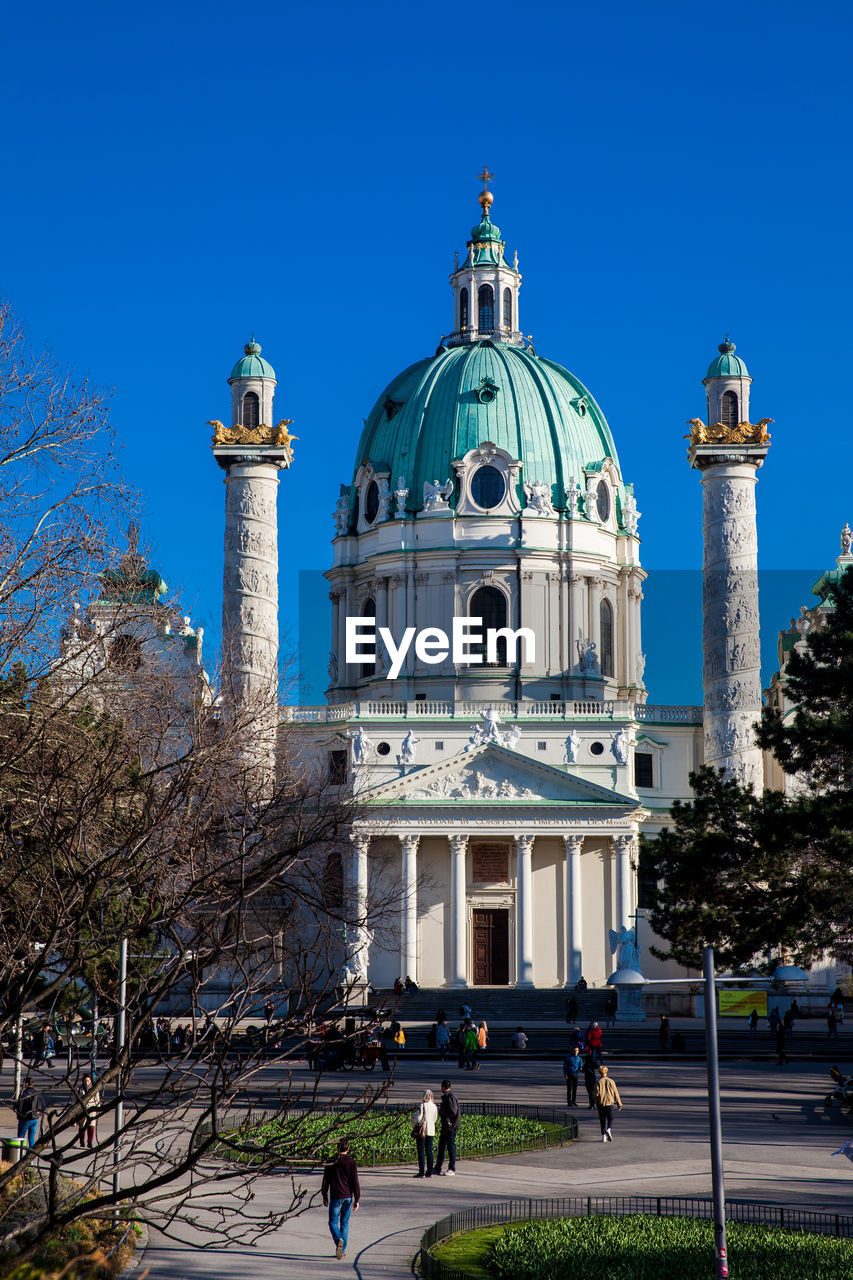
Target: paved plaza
[{"x": 778, "y": 1143}]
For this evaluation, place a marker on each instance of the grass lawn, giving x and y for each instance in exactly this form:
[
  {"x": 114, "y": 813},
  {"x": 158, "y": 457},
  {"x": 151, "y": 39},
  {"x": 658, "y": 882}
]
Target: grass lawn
[{"x": 642, "y": 1248}]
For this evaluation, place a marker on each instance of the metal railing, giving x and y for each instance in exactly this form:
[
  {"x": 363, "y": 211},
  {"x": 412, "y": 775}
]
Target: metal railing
[
  {"x": 743, "y": 1211},
  {"x": 534, "y": 709}
]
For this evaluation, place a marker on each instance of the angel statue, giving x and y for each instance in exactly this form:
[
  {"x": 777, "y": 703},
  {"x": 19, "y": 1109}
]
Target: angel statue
[
  {"x": 436, "y": 495},
  {"x": 624, "y": 942}
]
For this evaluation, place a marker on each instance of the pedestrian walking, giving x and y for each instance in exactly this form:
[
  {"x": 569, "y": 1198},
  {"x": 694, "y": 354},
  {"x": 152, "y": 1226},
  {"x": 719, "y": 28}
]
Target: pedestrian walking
[
  {"x": 788, "y": 1022},
  {"x": 831, "y": 1024},
  {"x": 28, "y": 1109},
  {"x": 593, "y": 1042},
  {"x": 572, "y": 1068},
  {"x": 606, "y": 1098},
  {"x": 449, "y": 1114},
  {"x": 782, "y": 1057},
  {"x": 91, "y": 1108},
  {"x": 610, "y": 1008},
  {"x": 590, "y": 1079},
  {"x": 664, "y": 1033},
  {"x": 774, "y": 1020},
  {"x": 442, "y": 1038},
  {"x": 571, "y": 1010},
  {"x": 482, "y": 1037},
  {"x": 341, "y": 1193},
  {"x": 753, "y": 1022},
  {"x": 423, "y": 1132}
]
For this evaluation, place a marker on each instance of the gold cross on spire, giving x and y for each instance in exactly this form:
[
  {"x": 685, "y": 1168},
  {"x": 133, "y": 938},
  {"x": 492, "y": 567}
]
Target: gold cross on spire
[{"x": 485, "y": 177}]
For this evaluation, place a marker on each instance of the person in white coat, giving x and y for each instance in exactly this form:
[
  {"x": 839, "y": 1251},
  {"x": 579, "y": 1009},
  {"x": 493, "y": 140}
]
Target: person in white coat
[{"x": 423, "y": 1132}]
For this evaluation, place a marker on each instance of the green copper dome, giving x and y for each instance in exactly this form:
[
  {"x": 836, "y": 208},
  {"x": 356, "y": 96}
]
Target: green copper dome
[
  {"x": 252, "y": 366},
  {"x": 432, "y": 414},
  {"x": 727, "y": 364}
]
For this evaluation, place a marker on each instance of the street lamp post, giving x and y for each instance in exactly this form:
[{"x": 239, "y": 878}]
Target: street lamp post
[
  {"x": 119, "y": 1046},
  {"x": 718, "y": 1190}
]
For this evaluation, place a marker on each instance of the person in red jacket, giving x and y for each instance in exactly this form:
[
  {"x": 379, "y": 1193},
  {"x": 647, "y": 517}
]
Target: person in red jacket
[
  {"x": 341, "y": 1193},
  {"x": 593, "y": 1042}
]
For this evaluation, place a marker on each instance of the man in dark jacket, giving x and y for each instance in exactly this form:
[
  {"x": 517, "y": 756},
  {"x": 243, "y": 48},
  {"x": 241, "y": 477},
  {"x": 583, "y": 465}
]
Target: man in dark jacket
[
  {"x": 341, "y": 1193},
  {"x": 572, "y": 1068},
  {"x": 448, "y": 1114},
  {"x": 28, "y": 1109}
]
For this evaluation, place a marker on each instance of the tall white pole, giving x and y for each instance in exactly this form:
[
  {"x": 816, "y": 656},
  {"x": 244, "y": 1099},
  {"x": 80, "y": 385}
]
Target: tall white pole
[{"x": 119, "y": 1048}]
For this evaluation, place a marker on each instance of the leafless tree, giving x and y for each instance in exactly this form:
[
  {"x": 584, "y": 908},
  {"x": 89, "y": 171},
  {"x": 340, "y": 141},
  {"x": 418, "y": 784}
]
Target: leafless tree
[{"x": 131, "y": 819}]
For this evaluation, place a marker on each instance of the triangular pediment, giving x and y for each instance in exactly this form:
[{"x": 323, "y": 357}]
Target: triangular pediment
[{"x": 492, "y": 774}]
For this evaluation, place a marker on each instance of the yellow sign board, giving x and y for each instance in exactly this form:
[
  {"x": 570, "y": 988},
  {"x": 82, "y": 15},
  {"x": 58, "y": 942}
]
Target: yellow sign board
[{"x": 742, "y": 1003}]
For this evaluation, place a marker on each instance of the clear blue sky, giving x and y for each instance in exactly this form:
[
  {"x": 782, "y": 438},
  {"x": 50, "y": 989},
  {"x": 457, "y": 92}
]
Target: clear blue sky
[{"x": 179, "y": 176}]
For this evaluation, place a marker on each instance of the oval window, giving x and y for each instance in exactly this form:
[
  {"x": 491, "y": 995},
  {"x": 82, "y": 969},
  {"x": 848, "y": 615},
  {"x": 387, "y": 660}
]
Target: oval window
[
  {"x": 603, "y": 502},
  {"x": 596, "y": 748},
  {"x": 371, "y": 502},
  {"x": 487, "y": 487}
]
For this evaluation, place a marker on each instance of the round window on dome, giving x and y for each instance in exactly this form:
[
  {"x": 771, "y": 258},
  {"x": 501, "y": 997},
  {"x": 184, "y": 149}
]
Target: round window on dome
[
  {"x": 371, "y": 502},
  {"x": 487, "y": 487},
  {"x": 603, "y": 502}
]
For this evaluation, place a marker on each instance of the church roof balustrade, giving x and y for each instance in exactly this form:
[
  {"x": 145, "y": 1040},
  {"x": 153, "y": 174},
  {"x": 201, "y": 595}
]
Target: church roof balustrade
[{"x": 524, "y": 710}]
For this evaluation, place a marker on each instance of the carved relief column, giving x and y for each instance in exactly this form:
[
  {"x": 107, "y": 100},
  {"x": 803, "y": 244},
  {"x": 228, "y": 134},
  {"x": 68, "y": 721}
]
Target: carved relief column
[
  {"x": 409, "y": 912},
  {"x": 574, "y": 914},
  {"x": 625, "y": 848},
  {"x": 524, "y": 911},
  {"x": 731, "y": 657},
  {"x": 458, "y": 932}
]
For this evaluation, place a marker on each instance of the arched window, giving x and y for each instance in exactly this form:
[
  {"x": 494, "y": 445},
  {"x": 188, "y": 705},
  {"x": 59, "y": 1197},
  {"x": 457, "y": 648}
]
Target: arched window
[
  {"x": 368, "y": 610},
  {"x": 251, "y": 409},
  {"x": 507, "y": 308},
  {"x": 728, "y": 409},
  {"x": 463, "y": 309},
  {"x": 486, "y": 308},
  {"x": 606, "y": 649},
  {"x": 489, "y": 604}
]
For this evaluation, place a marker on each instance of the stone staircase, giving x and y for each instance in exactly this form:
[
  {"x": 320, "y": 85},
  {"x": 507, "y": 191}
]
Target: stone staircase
[{"x": 494, "y": 1004}]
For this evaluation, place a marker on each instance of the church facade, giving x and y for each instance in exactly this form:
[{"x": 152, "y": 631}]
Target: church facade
[{"x": 486, "y": 695}]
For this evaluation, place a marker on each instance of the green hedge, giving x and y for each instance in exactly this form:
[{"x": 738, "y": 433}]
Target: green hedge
[
  {"x": 642, "y": 1247},
  {"x": 385, "y": 1137}
]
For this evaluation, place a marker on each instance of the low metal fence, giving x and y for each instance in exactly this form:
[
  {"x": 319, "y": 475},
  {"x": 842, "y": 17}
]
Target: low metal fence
[
  {"x": 565, "y": 1132},
  {"x": 508, "y": 1211}
]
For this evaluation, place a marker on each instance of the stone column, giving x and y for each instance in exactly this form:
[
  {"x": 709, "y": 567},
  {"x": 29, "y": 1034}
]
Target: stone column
[
  {"x": 577, "y": 628},
  {"x": 250, "y": 588},
  {"x": 524, "y": 911},
  {"x": 359, "y": 935},
  {"x": 409, "y": 912},
  {"x": 574, "y": 911},
  {"x": 625, "y": 848},
  {"x": 458, "y": 932},
  {"x": 731, "y": 656}
]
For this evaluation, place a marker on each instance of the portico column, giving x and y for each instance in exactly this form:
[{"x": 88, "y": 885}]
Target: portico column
[
  {"x": 458, "y": 949},
  {"x": 625, "y": 847},
  {"x": 409, "y": 914},
  {"x": 574, "y": 918},
  {"x": 524, "y": 911},
  {"x": 358, "y": 934}
]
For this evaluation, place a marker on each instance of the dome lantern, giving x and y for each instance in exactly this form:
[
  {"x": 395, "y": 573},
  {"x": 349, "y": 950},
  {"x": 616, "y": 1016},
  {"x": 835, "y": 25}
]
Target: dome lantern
[
  {"x": 486, "y": 287},
  {"x": 252, "y": 382}
]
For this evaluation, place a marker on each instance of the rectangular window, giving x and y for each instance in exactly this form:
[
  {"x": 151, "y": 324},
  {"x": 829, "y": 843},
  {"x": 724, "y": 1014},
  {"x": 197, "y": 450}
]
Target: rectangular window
[
  {"x": 542, "y": 746},
  {"x": 644, "y": 769},
  {"x": 439, "y": 746},
  {"x": 338, "y": 761},
  {"x": 556, "y": 697},
  {"x": 646, "y": 882},
  {"x": 420, "y": 697}
]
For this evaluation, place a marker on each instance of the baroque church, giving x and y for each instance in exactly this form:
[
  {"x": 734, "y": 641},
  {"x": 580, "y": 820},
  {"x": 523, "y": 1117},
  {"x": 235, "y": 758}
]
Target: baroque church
[{"x": 502, "y": 782}]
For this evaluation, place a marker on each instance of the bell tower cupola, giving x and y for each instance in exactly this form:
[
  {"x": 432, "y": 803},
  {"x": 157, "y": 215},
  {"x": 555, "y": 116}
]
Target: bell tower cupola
[
  {"x": 727, "y": 386},
  {"x": 253, "y": 385},
  {"x": 485, "y": 287}
]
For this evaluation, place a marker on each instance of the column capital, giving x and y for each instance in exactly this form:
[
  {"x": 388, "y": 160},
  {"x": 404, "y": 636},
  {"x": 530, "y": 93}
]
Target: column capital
[
  {"x": 572, "y": 844},
  {"x": 625, "y": 843},
  {"x": 458, "y": 843},
  {"x": 524, "y": 842},
  {"x": 409, "y": 842},
  {"x": 359, "y": 841}
]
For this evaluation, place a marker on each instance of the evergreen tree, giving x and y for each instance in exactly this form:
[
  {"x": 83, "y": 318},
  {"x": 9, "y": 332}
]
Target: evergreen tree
[{"x": 752, "y": 875}]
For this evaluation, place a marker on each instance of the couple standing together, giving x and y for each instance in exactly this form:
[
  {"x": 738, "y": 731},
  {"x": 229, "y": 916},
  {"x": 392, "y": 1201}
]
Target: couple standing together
[{"x": 424, "y": 1120}]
